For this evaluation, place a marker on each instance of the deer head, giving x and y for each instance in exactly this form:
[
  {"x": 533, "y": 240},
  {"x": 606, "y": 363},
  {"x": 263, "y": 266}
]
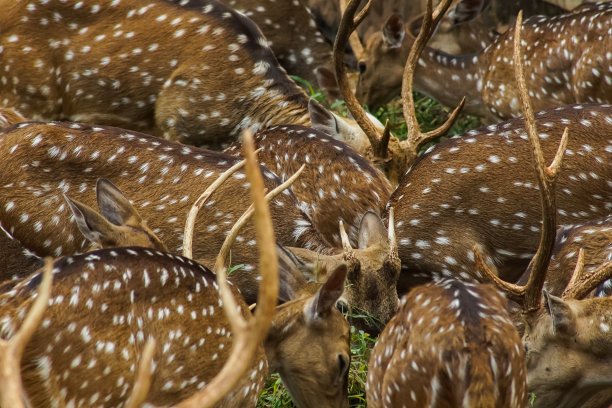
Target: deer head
[{"x": 117, "y": 224}]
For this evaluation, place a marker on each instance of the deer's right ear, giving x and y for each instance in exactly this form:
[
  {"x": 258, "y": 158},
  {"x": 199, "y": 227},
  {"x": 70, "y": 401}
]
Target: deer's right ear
[
  {"x": 322, "y": 119},
  {"x": 91, "y": 224},
  {"x": 394, "y": 31},
  {"x": 326, "y": 297},
  {"x": 563, "y": 318},
  {"x": 114, "y": 206}
]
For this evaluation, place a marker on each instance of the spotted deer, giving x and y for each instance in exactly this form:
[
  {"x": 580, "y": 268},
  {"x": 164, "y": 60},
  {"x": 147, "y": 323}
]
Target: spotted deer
[
  {"x": 182, "y": 294},
  {"x": 453, "y": 344},
  {"x": 204, "y": 92},
  {"x": 478, "y": 188},
  {"x": 567, "y": 340},
  {"x": 163, "y": 179},
  {"x": 118, "y": 224},
  {"x": 562, "y": 55}
]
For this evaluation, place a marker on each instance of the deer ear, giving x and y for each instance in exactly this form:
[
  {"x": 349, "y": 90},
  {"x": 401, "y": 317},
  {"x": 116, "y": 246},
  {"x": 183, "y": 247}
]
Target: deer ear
[
  {"x": 372, "y": 231},
  {"x": 326, "y": 297},
  {"x": 291, "y": 280},
  {"x": 114, "y": 206},
  {"x": 91, "y": 224},
  {"x": 322, "y": 119},
  {"x": 563, "y": 319},
  {"x": 394, "y": 31}
]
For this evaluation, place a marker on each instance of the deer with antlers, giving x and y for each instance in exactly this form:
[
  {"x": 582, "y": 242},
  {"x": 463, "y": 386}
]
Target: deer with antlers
[
  {"x": 567, "y": 340},
  {"x": 186, "y": 357},
  {"x": 224, "y": 79},
  {"x": 476, "y": 188},
  {"x": 562, "y": 54},
  {"x": 164, "y": 178}
]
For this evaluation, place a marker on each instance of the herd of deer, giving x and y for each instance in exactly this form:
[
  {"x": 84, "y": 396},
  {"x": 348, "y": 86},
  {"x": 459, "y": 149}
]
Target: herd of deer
[{"x": 484, "y": 269}]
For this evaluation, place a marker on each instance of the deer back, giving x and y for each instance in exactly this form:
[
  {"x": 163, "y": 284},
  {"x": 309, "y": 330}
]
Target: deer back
[
  {"x": 104, "y": 306},
  {"x": 290, "y": 30},
  {"x": 109, "y": 54},
  {"x": 163, "y": 180},
  {"x": 483, "y": 187},
  {"x": 450, "y": 344},
  {"x": 337, "y": 184}
]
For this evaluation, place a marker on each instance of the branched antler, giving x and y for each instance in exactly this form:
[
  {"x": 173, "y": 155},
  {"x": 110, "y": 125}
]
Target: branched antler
[
  {"x": 12, "y": 393},
  {"x": 529, "y": 296},
  {"x": 416, "y": 140},
  {"x": 354, "y": 40},
  {"x": 248, "y": 333},
  {"x": 581, "y": 284}
]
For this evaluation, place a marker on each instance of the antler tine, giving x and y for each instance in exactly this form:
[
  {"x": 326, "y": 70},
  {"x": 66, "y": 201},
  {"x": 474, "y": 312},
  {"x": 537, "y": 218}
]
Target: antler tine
[
  {"x": 346, "y": 244},
  {"x": 547, "y": 177},
  {"x": 247, "y": 334},
  {"x": 11, "y": 351},
  {"x": 143, "y": 377},
  {"x": 197, "y": 205},
  {"x": 391, "y": 233},
  {"x": 514, "y": 292},
  {"x": 354, "y": 40},
  {"x": 416, "y": 139},
  {"x": 581, "y": 284},
  {"x": 359, "y": 114}
]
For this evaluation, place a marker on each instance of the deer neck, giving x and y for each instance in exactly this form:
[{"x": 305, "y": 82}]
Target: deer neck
[
  {"x": 448, "y": 78},
  {"x": 282, "y": 102}
]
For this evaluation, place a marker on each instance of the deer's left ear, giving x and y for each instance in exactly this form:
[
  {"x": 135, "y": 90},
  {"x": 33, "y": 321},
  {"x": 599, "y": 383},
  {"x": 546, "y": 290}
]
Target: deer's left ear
[
  {"x": 394, "y": 31},
  {"x": 563, "y": 318}
]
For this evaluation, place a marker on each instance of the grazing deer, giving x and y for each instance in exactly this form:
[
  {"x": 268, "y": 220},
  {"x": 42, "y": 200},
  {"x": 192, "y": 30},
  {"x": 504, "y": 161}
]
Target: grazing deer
[
  {"x": 224, "y": 79},
  {"x": 567, "y": 341},
  {"x": 477, "y": 188},
  {"x": 337, "y": 183},
  {"x": 174, "y": 297},
  {"x": 562, "y": 55},
  {"x": 163, "y": 180}
]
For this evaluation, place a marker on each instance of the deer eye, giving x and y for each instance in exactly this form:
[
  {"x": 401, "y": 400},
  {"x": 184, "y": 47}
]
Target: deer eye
[{"x": 362, "y": 67}]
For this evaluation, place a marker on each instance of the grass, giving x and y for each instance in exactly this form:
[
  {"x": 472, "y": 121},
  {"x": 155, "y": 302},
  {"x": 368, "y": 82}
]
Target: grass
[{"x": 430, "y": 115}]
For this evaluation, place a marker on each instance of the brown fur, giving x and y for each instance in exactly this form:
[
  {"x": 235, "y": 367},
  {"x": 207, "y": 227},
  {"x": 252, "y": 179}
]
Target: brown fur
[
  {"x": 450, "y": 344},
  {"x": 162, "y": 179}
]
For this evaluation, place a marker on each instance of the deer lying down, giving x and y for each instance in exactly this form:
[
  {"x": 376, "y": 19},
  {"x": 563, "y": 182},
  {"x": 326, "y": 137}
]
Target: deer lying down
[{"x": 118, "y": 298}]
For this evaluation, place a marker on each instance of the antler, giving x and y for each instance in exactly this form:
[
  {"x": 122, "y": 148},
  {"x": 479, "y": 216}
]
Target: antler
[
  {"x": 248, "y": 333},
  {"x": 347, "y": 25},
  {"x": 416, "y": 140},
  {"x": 580, "y": 284},
  {"x": 396, "y": 156},
  {"x": 197, "y": 205},
  {"x": 354, "y": 40},
  {"x": 529, "y": 296},
  {"x": 143, "y": 377},
  {"x": 11, "y": 351}
]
